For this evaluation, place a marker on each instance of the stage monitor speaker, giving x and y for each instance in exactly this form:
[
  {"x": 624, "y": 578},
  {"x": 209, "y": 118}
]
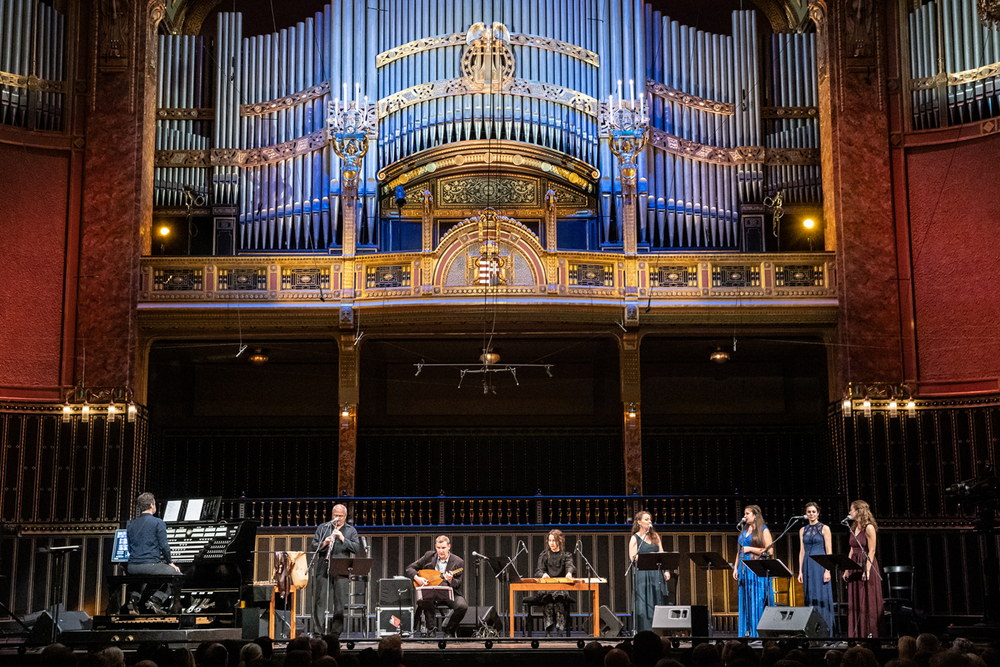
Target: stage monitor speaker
[
  {"x": 681, "y": 620},
  {"x": 473, "y": 615},
  {"x": 69, "y": 621},
  {"x": 610, "y": 625},
  {"x": 393, "y": 619},
  {"x": 792, "y": 622},
  {"x": 396, "y": 592}
]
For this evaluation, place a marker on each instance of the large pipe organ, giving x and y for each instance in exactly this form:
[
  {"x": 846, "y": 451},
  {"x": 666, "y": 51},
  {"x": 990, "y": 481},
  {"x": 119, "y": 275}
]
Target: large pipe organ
[{"x": 472, "y": 105}]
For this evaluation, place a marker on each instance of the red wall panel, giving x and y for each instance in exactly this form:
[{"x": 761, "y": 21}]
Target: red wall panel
[{"x": 954, "y": 200}]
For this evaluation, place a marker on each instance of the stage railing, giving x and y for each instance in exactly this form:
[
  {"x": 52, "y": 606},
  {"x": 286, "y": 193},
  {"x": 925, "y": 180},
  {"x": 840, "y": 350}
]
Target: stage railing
[{"x": 593, "y": 512}]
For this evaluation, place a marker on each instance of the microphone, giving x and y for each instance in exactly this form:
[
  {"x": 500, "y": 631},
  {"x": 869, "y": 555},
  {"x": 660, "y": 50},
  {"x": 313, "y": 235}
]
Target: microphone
[
  {"x": 742, "y": 524},
  {"x": 802, "y": 517},
  {"x": 846, "y": 521},
  {"x": 479, "y": 555}
]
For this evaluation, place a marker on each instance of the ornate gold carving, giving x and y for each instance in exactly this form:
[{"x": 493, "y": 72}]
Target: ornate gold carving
[
  {"x": 817, "y": 12},
  {"x": 957, "y": 78},
  {"x": 287, "y": 102},
  {"x": 459, "y": 38},
  {"x": 32, "y": 82},
  {"x": 488, "y": 61},
  {"x": 232, "y": 157},
  {"x": 687, "y": 100},
  {"x": 425, "y": 92},
  {"x": 790, "y": 112},
  {"x": 569, "y": 198},
  {"x": 733, "y": 156},
  {"x": 113, "y": 47},
  {"x": 185, "y": 114},
  {"x": 464, "y": 191}
]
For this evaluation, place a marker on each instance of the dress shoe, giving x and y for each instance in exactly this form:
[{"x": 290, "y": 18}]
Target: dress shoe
[
  {"x": 155, "y": 606},
  {"x": 133, "y": 607}
]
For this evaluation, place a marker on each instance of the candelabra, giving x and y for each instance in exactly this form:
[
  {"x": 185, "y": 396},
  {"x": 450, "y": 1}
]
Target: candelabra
[
  {"x": 351, "y": 125},
  {"x": 626, "y": 125},
  {"x": 93, "y": 401}
]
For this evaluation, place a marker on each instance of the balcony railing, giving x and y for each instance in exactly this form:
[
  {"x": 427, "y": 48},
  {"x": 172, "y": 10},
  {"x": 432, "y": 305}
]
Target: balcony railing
[{"x": 595, "y": 513}]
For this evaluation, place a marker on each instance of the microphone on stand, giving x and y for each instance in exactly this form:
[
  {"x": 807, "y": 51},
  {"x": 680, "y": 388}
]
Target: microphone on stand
[
  {"x": 742, "y": 524},
  {"x": 801, "y": 517},
  {"x": 846, "y": 521},
  {"x": 479, "y": 555}
]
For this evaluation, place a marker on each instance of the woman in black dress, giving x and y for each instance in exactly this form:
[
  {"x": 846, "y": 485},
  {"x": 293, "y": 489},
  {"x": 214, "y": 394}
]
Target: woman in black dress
[{"x": 554, "y": 562}]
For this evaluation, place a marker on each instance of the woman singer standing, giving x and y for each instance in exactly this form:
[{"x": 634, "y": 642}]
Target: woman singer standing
[
  {"x": 815, "y": 539},
  {"x": 755, "y": 592},
  {"x": 864, "y": 586},
  {"x": 650, "y": 588},
  {"x": 554, "y": 562}
]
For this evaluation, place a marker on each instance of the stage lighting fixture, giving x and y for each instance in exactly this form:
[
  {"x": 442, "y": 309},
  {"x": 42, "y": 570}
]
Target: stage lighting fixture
[
  {"x": 442, "y": 644},
  {"x": 720, "y": 356},
  {"x": 534, "y": 643},
  {"x": 489, "y": 643}
]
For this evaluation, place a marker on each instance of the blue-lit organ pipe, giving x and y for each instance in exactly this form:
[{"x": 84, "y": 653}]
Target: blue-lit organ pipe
[
  {"x": 32, "y": 43},
  {"x": 795, "y": 85},
  {"x": 181, "y": 86}
]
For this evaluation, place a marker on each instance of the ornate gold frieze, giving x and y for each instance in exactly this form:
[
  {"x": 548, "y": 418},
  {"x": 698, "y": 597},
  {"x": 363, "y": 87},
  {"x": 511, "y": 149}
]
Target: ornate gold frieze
[
  {"x": 459, "y": 38},
  {"x": 185, "y": 114},
  {"x": 566, "y": 198},
  {"x": 733, "y": 156},
  {"x": 32, "y": 82},
  {"x": 546, "y": 92},
  {"x": 789, "y": 112},
  {"x": 688, "y": 100},
  {"x": 287, "y": 102},
  {"x": 233, "y": 157},
  {"x": 956, "y": 78},
  {"x": 486, "y": 190}
]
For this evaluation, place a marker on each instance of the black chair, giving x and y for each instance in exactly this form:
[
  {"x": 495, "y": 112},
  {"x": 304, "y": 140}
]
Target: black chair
[{"x": 900, "y": 602}]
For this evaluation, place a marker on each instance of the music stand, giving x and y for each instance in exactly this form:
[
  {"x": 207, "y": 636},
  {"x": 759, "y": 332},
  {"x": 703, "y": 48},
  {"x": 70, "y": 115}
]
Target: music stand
[
  {"x": 771, "y": 568},
  {"x": 708, "y": 561},
  {"x": 505, "y": 572},
  {"x": 661, "y": 561},
  {"x": 835, "y": 562},
  {"x": 58, "y": 582},
  {"x": 349, "y": 566}
]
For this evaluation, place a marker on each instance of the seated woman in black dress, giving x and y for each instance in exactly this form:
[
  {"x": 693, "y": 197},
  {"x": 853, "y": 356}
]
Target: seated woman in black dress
[{"x": 554, "y": 562}]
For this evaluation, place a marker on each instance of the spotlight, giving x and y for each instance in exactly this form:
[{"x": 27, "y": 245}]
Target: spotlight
[
  {"x": 720, "y": 356},
  {"x": 580, "y": 643},
  {"x": 489, "y": 643},
  {"x": 534, "y": 643},
  {"x": 350, "y": 646},
  {"x": 442, "y": 644}
]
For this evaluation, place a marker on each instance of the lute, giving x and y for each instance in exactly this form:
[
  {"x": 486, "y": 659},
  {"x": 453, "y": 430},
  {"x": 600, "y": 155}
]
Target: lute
[{"x": 433, "y": 577}]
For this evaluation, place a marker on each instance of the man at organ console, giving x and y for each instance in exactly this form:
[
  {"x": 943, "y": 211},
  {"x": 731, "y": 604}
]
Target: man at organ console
[
  {"x": 333, "y": 539},
  {"x": 149, "y": 551}
]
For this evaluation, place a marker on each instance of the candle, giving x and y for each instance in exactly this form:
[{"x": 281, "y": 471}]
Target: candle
[
  {"x": 619, "y": 93},
  {"x": 631, "y": 92}
]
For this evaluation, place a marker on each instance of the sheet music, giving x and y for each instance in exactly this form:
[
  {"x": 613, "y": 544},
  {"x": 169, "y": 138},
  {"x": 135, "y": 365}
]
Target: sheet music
[
  {"x": 172, "y": 511},
  {"x": 193, "y": 511},
  {"x": 593, "y": 580}
]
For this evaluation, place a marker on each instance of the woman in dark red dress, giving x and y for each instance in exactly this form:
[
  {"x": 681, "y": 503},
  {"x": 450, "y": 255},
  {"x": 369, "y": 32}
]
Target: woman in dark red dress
[{"x": 864, "y": 586}]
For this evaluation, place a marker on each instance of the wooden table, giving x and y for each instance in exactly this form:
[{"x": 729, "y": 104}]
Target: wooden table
[
  {"x": 270, "y": 613},
  {"x": 526, "y": 585}
]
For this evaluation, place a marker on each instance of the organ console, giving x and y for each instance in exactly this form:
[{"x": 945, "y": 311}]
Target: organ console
[{"x": 215, "y": 558}]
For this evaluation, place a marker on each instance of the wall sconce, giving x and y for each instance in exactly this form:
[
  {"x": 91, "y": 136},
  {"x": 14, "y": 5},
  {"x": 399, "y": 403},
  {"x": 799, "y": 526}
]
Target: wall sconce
[
  {"x": 91, "y": 401},
  {"x": 866, "y": 408},
  {"x": 847, "y": 405},
  {"x": 630, "y": 418},
  {"x": 911, "y": 408},
  {"x": 893, "y": 408},
  {"x": 345, "y": 416}
]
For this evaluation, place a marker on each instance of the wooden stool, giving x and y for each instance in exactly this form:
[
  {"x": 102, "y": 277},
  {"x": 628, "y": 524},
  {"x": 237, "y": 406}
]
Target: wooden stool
[{"x": 270, "y": 614}]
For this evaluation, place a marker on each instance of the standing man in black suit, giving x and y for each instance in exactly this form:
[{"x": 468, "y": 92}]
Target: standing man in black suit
[
  {"x": 445, "y": 562},
  {"x": 333, "y": 539}
]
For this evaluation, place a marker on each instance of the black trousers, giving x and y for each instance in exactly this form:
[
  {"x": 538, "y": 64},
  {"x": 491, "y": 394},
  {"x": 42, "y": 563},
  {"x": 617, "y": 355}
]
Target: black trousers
[
  {"x": 459, "y": 605},
  {"x": 328, "y": 596}
]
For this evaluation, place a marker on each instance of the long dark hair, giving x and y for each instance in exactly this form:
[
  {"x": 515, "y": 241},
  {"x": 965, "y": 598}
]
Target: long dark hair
[
  {"x": 652, "y": 535},
  {"x": 757, "y": 534},
  {"x": 560, "y": 540}
]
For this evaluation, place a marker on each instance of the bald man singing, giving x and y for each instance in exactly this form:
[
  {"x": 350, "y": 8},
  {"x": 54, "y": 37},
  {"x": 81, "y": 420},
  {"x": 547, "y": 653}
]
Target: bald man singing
[{"x": 333, "y": 539}]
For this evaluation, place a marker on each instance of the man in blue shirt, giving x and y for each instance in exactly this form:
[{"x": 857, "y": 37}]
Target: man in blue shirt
[{"x": 149, "y": 551}]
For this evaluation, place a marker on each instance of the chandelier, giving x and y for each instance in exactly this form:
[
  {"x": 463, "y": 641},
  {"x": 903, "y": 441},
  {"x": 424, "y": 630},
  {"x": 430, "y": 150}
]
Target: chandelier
[{"x": 989, "y": 12}]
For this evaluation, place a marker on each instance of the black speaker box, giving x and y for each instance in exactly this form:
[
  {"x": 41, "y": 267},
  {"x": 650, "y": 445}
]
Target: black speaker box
[
  {"x": 681, "y": 620},
  {"x": 396, "y": 592},
  {"x": 69, "y": 621},
  {"x": 610, "y": 625},
  {"x": 473, "y": 616},
  {"x": 792, "y": 622}
]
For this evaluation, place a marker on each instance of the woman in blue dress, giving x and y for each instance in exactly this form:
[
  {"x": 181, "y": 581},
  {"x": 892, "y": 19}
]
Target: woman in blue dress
[
  {"x": 815, "y": 540},
  {"x": 755, "y": 592},
  {"x": 650, "y": 585}
]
